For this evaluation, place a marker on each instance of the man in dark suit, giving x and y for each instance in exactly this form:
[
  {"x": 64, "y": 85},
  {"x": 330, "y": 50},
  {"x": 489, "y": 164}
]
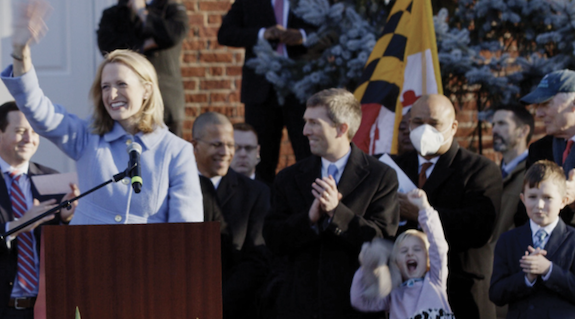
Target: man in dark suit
[
  {"x": 246, "y": 22},
  {"x": 465, "y": 188},
  {"x": 18, "y": 142},
  {"x": 244, "y": 203},
  {"x": 554, "y": 99},
  {"x": 157, "y": 30},
  {"x": 325, "y": 207}
]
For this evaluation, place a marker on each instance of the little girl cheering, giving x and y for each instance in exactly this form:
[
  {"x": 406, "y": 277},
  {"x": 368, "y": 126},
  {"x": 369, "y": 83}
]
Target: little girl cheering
[{"x": 421, "y": 258}]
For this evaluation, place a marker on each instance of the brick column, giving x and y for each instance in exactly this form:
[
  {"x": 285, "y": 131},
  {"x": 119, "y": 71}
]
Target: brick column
[{"x": 212, "y": 73}]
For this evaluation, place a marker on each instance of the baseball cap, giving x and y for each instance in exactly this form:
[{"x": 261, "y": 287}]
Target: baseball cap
[{"x": 551, "y": 84}]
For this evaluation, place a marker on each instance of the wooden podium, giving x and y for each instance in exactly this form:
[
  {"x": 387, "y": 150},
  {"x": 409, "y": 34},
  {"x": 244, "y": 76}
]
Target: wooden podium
[{"x": 131, "y": 271}]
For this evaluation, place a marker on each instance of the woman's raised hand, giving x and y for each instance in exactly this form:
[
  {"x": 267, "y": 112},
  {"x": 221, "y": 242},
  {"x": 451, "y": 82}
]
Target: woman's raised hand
[{"x": 28, "y": 24}]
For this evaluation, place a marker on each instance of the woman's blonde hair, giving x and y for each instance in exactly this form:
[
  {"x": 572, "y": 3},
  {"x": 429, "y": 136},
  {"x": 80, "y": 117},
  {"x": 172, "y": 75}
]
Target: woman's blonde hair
[
  {"x": 410, "y": 233},
  {"x": 152, "y": 112}
]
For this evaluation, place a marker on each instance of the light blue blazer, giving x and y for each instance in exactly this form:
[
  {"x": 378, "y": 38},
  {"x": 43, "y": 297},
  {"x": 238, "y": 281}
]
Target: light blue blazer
[{"x": 171, "y": 188}]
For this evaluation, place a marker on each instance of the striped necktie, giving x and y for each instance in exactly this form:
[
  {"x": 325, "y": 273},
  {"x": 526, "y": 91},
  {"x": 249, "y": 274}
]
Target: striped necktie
[
  {"x": 27, "y": 272},
  {"x": 539, "y": 239}
]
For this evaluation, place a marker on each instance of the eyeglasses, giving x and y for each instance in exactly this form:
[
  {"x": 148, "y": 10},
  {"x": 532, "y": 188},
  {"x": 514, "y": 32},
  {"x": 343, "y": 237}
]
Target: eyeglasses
[
  {"x": 217, "y": 145},
  {"x": 248, "y": 148}
]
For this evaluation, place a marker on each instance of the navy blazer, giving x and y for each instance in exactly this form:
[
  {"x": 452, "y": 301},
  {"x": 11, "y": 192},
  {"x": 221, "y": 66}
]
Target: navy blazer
[
  {"x": 9, "y": 256},
  {"x": 554, "y": 298},
  {"x": 240, "y": 29}
]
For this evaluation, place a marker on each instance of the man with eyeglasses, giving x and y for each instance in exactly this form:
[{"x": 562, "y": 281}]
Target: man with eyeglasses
[
  {"x": 465, "y": 188},
  {"x": 247, "y": 154},
  {"x": 244, "y": 203}
]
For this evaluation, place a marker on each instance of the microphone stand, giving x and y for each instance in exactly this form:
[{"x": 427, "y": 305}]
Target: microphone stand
[{"x": 67, "y": 203}]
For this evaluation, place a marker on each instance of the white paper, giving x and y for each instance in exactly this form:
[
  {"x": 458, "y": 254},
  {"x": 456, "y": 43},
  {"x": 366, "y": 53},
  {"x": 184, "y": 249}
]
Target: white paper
[
  {"x": 53, "y": 184},
  {"x": 405, "y": 184}
]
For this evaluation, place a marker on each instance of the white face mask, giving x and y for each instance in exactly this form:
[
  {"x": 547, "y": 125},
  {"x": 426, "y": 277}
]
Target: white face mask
[{"x": 427, "y": 140}]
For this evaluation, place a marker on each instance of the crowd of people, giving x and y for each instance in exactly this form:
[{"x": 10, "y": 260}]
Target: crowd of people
[{"x": 328, "y": 237}]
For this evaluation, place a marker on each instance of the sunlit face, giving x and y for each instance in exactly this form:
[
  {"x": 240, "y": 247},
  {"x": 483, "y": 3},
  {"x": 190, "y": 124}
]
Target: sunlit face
[
  {"x": 506, "y": 133},
  {"x": 411, "y": 258},
  {"x": 543, "y": 203},
  {"x": 123, "y": 94},
  {"x": 558, "y": 115},
  {"x": 214, "y": 150},
  {"x": 247, "y": 152},
  {"x": 321, "y": 132},
  {"x": 18, "y": 142},
  {"x": 437, "y": 112}
]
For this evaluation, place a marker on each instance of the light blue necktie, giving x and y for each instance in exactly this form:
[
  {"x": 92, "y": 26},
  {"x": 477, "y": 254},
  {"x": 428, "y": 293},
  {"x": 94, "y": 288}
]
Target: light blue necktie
[
  {"x": 332, "y": 170},
  {"x": 539, "y": 239}
]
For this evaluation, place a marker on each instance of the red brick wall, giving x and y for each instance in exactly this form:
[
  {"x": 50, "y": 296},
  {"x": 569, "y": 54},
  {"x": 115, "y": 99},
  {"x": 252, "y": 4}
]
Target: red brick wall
[
  {"x": 212, "y": 73},
  {"x": 212, "y": 79}
]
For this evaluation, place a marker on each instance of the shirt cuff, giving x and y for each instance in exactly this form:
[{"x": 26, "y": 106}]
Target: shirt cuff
[
  {"x": 303, "y": 36},
  {"x": 530, "y": 284},
  {"x": 261, "y": 33},
  {"x": 546, "y": 277},
  {"x": 9, "y": 238}
]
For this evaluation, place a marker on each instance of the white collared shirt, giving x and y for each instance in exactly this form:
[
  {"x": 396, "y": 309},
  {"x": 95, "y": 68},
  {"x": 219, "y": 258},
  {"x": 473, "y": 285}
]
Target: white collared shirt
[
  {"x": 509, "y": 167},
  {"x": 422, "y": 160},
  {"x": 548, "y": 229},
  {"x": 340, "y": 164}
]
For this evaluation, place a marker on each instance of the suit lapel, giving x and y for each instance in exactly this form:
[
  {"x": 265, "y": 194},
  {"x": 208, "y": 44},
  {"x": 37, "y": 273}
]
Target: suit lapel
[
  {"x": 34, "y": 170},
  {"x": 556, "y": 239},
  {"x": 268, "y": 12},
  {"x": 354, "y": 173},
  {"x": 442, "y": 169},
  {"x": 558, "y": 148},
  {"x": 411, "y": 167},
  {"x": 519, "y": 168},
  {"x": 525, "y": 238},
  {"x": 5, "y": 203},
  {"x": 227, "y": 186},
  {"x": 307, "y": 175}
]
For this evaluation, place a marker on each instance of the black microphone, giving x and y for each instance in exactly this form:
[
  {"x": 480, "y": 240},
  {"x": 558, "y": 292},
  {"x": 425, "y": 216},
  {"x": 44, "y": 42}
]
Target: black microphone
[{"x": 135, "y": 150}]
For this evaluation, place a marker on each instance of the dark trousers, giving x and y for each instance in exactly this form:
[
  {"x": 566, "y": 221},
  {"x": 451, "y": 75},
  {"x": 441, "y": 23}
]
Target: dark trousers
[
  {"x": 13, "y": 313},
  {"x": 268, "y": 119}
]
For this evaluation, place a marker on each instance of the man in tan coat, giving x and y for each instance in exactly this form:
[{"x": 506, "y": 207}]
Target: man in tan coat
[{"x": 512, "y": 128}]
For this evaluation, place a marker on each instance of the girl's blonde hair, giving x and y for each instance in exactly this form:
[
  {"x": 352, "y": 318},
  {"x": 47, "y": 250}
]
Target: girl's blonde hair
[
  {"x": 410, "y": 233},
  {"x": 151, "y": 115}
]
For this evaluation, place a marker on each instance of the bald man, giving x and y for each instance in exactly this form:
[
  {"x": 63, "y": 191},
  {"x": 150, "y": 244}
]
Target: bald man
[
  {"x": 465, "y": 188},
  {"x": 244, "y": 203}
]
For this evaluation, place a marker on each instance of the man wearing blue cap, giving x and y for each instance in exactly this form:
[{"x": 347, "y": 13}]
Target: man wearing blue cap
[{"x": 554, "y": 99}]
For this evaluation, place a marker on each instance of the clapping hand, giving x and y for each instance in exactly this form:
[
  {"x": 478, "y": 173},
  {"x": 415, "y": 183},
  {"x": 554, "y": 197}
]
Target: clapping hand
[
  {"x": 325, "y": 191},
  {"x": 534, "y": 263}
]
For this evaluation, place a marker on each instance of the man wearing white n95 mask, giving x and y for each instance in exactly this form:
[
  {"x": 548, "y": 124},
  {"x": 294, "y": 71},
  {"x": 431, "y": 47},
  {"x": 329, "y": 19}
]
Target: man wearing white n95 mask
[{"x": 465, "y": 188}]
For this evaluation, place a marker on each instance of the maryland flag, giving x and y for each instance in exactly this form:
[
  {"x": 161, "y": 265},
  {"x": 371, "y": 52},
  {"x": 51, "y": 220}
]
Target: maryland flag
[{"x": 402, "y": 67}]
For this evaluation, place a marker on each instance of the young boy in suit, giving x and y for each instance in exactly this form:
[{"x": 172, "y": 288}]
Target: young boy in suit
[{"x": 534, "y": 266}]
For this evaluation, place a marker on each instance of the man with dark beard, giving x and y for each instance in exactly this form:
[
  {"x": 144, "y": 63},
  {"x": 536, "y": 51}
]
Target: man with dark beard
[{"x": 512, "y": 128}]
